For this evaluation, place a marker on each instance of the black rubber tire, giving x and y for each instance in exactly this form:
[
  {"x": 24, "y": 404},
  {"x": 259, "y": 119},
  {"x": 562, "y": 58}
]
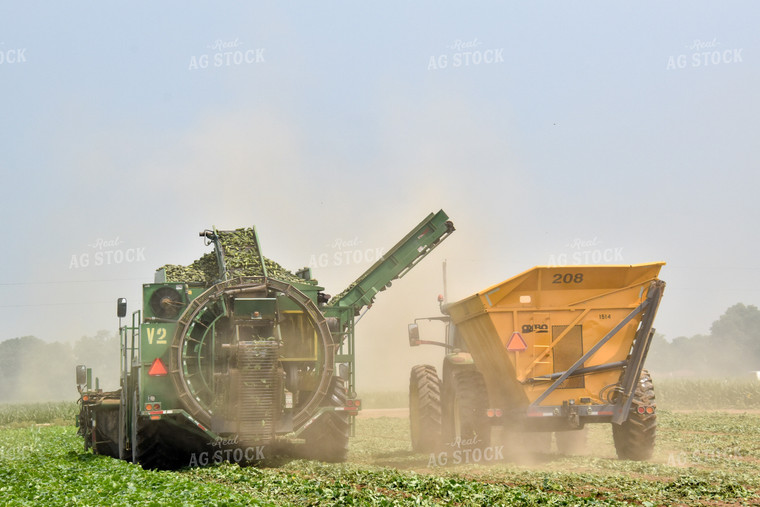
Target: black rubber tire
[
  {"x": 147, "y": 450},
  {"x": 425, "y": 408},
  {"x": 572, "y": 443},
  {"x": 635, "y": 438},
  {"x": 465, "y": 423},
  {"x": 327, "y": 438}
]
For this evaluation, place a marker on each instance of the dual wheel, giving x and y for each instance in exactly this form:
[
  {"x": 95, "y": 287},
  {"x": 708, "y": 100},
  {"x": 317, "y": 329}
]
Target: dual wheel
[{"x": 452, "y": 414}]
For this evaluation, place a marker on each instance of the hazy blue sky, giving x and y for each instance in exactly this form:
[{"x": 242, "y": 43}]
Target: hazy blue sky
[{"x": 624, "y": 131}]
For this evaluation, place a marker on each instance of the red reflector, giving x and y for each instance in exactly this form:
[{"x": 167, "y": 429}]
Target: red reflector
[
  {"x": 85, "y": 398},
  {"x": 498, "y": 412},
  {"x": 148, "y": 406},
  {"x": 155, "y": 417},
  {"x": 641, "y": 410},
  {"x": 157, "y": 368}
]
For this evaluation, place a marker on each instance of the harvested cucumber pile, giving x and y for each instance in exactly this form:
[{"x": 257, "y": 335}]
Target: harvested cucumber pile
[{"x": 241, "y": 258}]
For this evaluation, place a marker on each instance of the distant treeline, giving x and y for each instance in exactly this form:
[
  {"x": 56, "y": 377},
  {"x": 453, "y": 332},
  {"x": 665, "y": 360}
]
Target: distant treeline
[
  {"x": 732, "y": 349},
  {"x": 33, "y": 370}
]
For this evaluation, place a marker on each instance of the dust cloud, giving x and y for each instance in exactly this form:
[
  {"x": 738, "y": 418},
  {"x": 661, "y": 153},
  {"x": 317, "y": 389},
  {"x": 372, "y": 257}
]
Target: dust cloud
[{"x": 32, "y": 370}]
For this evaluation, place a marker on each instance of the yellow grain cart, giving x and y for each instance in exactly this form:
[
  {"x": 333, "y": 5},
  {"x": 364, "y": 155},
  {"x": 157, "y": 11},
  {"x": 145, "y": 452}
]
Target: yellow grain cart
[{"x": 551, "y": 349}]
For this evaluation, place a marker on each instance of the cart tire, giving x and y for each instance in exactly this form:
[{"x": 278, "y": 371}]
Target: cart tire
[
  {"x": 425, "y": 408},
  {"x": 634, "y": 439}
]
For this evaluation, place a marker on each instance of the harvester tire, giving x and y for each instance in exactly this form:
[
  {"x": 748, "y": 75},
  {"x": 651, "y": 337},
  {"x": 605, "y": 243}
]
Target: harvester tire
[
  {"x": 147, "y": 448},
  {"x": 465, "y": 405},
  {"x": 149, "y": 451},
  {"x": 634, "y": 439},
  {"x": 425, "y": 408},
  {"x": 327, "y": 438}
]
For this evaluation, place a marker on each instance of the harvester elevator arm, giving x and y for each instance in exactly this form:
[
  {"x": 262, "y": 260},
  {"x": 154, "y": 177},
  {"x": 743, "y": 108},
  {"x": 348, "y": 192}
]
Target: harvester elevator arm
[{"x": 396, "y": 263}]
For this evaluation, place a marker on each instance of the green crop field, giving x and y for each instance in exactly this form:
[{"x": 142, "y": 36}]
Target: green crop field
[{"x": 702, "y": 458}]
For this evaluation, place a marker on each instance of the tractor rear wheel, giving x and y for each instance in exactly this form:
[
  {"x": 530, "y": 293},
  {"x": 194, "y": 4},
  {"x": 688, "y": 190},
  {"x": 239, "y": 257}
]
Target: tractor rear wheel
[
  {"x": 634, "y": 439},
  {"x": 465, "y": 406},
  {"x": 425, "y": 408}
]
